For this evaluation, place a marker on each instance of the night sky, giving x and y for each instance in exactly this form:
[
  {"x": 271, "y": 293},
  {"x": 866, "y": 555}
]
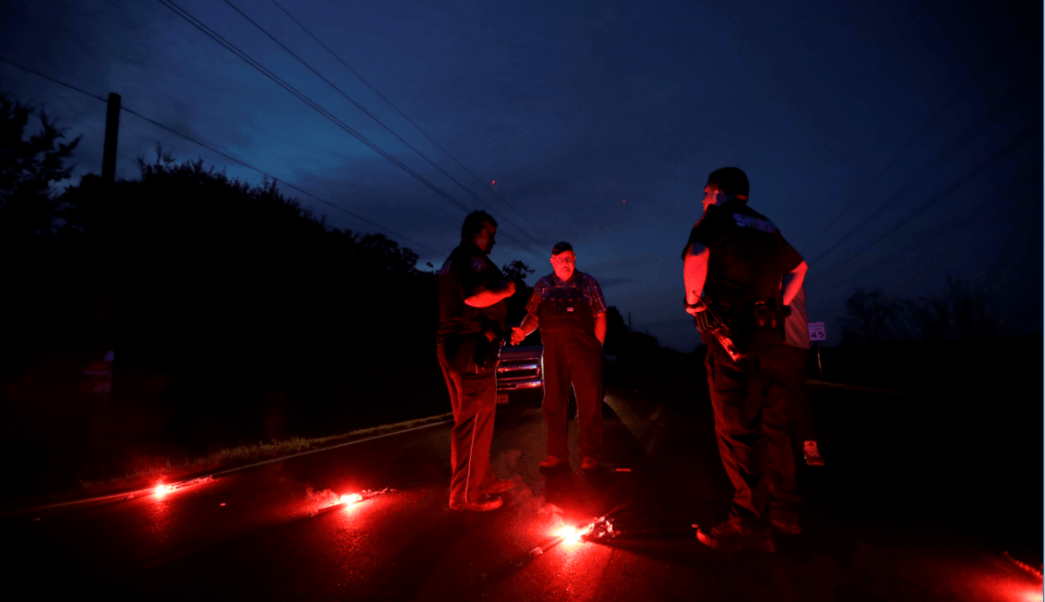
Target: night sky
[{"x": 892, "y": 142}]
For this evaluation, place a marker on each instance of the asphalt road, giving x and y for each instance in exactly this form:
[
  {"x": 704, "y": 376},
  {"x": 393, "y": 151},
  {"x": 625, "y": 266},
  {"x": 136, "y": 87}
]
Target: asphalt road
[{"x": 874, "y": 528}]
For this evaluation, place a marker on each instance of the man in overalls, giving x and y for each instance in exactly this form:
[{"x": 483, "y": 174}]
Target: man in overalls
[{"x": 570, "y": 310}]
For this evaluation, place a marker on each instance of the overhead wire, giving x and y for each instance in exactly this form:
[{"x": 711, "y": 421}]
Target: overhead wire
[
  {"x": 947, "y": 153},
  {"x": 373, "y": 117},
  {"x": 918, "y": 136},
  {"x": 951, "y": 225},
  {"x": 227, "y": 156},
  {"x": 410, "y": 121},
  {"x": 968, "y": 175},
  {"x": 317, "y": 107},
  {"x": 61, "y": 83}
]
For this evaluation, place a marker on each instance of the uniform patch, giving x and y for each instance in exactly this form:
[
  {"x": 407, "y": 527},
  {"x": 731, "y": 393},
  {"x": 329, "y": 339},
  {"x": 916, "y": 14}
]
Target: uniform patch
[
  {"x": 443, "y": 271},
  {"x": 747, "y": 221},
  {"x": 478, "y": 264}
]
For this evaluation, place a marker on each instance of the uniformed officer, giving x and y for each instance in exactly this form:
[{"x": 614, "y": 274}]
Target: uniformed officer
[
  {"x": 473, "y": 305},
  {"x": 739, "y": 272},
  {"x": 784, "y": 500},
  {"x": 568, "y": 307},
  {"x": 793, "y": 379}
]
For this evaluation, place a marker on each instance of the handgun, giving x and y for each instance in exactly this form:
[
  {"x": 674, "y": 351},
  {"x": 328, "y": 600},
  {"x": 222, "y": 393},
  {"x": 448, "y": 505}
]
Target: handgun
[
  {"x": 709, "y": 321},
  {"x": 489, "y": 352}
]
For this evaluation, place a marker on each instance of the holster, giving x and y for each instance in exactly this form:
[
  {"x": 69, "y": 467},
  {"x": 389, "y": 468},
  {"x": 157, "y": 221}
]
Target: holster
[
  {"x": 767, "y": 314},
  {"x": 488, "y": 353},
  {"x": 708, "y": 321}
]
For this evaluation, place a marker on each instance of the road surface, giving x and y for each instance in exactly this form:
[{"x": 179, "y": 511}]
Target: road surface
[{"x": 870, "y": 529}]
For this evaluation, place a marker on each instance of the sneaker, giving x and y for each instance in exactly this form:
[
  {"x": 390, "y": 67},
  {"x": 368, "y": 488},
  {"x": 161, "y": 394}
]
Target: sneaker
[
  {"x": 496, "y": 485},
  {"x": 590, "y": 463},
  {"x": 787, "y": 528},
  {"x": 552, "y": 462},
  {"x": 812, "y": 454},
  {"x": 483, "y": 504},
  {"x": 732, "y": 535}
]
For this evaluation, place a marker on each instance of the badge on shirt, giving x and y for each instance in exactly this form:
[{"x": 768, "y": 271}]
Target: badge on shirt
[{"x": 479, "y": 264}]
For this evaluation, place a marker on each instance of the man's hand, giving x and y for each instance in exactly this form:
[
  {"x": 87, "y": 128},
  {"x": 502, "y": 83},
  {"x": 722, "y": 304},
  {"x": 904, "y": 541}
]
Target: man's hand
[
  {"x": 695, "y": 308},
  {"x": 510, "y": 289},
  {"x": 517, "y": 335}
]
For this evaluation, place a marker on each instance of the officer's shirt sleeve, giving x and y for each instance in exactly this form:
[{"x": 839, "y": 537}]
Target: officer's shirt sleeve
[
  {"x": 473, "y": 272},
  {"x": 703, "y": 232},
  {"x": 535, "y": 299},
  {"x": 789, "y": 257}
]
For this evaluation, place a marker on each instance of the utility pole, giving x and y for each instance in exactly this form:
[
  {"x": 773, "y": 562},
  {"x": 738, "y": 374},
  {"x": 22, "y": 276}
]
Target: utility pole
[
  {"x": 99, "y": 371},
  {"x": 112, "y": 131}
]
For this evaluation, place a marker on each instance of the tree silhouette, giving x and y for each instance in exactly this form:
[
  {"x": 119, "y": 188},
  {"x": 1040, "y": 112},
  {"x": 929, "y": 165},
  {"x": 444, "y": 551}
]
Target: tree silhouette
[
  {"x": 517, "y": 271},
  {"x": 871, "y": 317},
  {"x": 36, "y": 277},
  {"x": 29, "y": 166}
]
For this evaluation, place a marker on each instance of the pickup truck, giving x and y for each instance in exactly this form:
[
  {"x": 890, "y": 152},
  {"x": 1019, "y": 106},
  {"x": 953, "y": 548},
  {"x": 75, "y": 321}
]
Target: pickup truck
[{"x": 519, "y": 369}]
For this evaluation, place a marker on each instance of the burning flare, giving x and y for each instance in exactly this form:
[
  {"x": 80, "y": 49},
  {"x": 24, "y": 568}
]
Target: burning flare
[{"x": 569, "y": 535}]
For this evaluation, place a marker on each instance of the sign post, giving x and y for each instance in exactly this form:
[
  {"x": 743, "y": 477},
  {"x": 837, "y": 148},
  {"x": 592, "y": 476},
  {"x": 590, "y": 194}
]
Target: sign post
[{"x": 818, "y": 333}]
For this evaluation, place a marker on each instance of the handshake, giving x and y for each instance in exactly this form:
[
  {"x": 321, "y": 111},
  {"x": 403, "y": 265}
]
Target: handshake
[{"x": 516, "y": 335}]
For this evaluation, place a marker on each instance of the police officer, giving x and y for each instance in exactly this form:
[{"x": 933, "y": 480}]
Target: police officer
[
  {"x": 568, "y": 307},
  {"x": 793, "y": 379},
  {"x": 473, "y": 305},
  {"x": 784, "y": 500},
  {"x": 739, "y": 272}
]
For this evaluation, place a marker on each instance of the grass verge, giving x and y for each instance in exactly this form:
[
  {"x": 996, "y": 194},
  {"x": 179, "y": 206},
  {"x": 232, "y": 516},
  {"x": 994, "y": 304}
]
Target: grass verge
[{"x": 228, "y": 458}]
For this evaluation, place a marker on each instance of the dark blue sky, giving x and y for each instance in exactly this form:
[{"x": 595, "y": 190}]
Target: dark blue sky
[{"x": 574, "y": 107}]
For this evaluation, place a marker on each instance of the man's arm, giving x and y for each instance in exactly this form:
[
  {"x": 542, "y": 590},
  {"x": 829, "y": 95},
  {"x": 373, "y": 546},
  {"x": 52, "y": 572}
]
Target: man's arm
[
  {"x": 600, "y": 327},
  {"x": 484, "y": 297},
  {"x": 792, "y": 281},
  {"x": 695, "y": 272},
  {"x": 520, "y": 332}
]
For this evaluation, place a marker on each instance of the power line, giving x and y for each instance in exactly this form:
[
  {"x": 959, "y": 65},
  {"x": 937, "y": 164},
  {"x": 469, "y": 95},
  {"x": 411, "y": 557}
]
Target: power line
[
  {"x": 371, "y": 116},
  {"x": 61, "y": 83},
  {"x": 410, "y": 121},
  {"x": 945, "y": 228},
  {"x": 914, "y": 138},
  {"x": 1005, "y": 149},
  {"x": 229, "y": 157},
  {"x": 945, "y": 154},
  {"x": 301, "y": 96},
  {"x": 315, "y": 106}
]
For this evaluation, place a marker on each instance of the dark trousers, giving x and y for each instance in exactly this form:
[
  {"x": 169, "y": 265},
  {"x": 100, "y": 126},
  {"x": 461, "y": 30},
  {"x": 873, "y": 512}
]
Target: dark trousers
[
  {"x": 793, "y": 386},
  {"x": 754, "y": 438},
  {"x": 577, "y": 359},
  {"x": 473, "y": 398}
]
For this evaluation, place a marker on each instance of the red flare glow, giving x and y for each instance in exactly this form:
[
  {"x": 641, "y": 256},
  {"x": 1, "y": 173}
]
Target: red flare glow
[
  {"x": 569, "y": 535},
  {"x": 162, "y": 489},
  {"x": 493, "y": 181},
  {"x": 350, "y": 498}
]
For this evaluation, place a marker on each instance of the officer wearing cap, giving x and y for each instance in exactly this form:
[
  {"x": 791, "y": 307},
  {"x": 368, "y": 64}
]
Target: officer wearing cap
[
  {"x": 568, "y": 306},
  {"x": 739, "y": 273},
  {"x": 473, "y": 306}
]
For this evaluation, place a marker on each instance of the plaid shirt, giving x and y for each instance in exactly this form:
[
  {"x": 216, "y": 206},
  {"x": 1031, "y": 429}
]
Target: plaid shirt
[{"x": 589, "y": 288}]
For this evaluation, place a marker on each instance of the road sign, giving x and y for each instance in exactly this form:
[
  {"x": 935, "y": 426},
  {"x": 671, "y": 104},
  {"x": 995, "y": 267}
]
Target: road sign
[{"x": 817, "y": 332}]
